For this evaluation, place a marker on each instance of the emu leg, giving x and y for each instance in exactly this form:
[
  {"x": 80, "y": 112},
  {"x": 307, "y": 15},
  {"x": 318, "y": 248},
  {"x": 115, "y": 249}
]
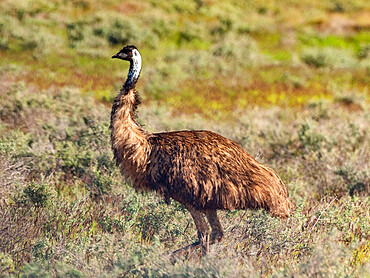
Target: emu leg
[
  {"x": 217, "y": 231},
  {"x": 202, "y": 227},
  {"x": 203, "y": 234}
]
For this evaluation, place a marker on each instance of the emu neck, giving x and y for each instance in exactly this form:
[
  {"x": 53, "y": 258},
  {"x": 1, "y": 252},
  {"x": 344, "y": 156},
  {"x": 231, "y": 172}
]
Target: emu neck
[
  {"x": 129, "y": 141},
  {"x": 133, "y": 74}
]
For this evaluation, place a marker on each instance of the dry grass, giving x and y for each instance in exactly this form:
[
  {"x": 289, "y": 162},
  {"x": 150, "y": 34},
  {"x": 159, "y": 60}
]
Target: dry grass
[{"x": 79, "y": 218}]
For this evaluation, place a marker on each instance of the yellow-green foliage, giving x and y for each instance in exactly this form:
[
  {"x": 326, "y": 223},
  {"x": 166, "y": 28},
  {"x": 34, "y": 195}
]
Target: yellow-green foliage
[{"x": 193, "y": 45}]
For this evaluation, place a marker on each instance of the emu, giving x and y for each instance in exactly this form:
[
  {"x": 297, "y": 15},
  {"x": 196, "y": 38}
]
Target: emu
[{"x": 202, "y": 170}]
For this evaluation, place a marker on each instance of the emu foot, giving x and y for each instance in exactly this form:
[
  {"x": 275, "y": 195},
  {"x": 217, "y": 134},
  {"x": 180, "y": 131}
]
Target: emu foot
[
  {"x": 216, "y": 237},
  {"x": 185, "y": 251},
  {"x": 189, "y": 249},
  {"x": 204, "y": 244}
]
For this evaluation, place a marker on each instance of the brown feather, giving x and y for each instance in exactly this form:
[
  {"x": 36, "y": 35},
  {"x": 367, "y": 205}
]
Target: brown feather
[{"x": 209, "y": 171}]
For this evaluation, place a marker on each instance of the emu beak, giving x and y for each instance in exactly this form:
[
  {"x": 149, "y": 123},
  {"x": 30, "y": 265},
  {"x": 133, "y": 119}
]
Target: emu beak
[{"x": 122, "y": 56}]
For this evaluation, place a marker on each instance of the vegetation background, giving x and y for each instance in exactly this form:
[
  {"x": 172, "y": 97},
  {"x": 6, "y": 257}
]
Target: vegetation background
[{"x": 287, "y": 80}]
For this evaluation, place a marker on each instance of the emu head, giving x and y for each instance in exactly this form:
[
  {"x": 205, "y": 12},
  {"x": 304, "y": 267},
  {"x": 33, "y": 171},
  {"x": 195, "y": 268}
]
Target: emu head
[
  {"x": 131, "y": 54},
  {"x": 128, "y": 53}
]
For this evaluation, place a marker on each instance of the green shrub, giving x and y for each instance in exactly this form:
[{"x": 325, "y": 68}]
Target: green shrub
[
  {"x": 318, "y": 110},
  {"x": 225, "y": 25},
  {"x": 310, "y": 140},
  {"x": 107, "y": 29},
  {"x": 357, "y": 183},
  {"x": 100, "y": 184},
  {"x": 328, "y": 57},
  {"x": 314, "y": 58},
  {"x": 121, "y": 32},
  {"x": 36, "y": 194},
  {"x": 73, "y": 159},
  {"x": 162, "y": 28},
  {"x": 6, "y": 263},
  {"x": 362, "y": 51},
  {"x": 36, "y": 269},
  {"x": 75, "y": 32},
  {"x": 109, "y": 225}
]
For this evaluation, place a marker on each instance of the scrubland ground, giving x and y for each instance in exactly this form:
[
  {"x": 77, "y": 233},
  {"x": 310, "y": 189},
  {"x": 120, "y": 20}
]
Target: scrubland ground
[{"x": 287, "y": 80}]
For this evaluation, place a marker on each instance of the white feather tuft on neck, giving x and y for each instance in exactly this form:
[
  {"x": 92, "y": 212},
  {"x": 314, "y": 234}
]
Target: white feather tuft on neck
[{"x": 135, "y": 68}]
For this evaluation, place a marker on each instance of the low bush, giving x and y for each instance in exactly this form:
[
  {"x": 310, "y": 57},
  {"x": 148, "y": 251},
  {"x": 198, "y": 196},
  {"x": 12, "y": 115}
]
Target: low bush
[
  {"x": 80, "y": 218},
  {"x": 328, "y": 57}
]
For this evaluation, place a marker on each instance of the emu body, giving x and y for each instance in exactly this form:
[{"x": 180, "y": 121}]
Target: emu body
[{"x": 202, "y": 170}]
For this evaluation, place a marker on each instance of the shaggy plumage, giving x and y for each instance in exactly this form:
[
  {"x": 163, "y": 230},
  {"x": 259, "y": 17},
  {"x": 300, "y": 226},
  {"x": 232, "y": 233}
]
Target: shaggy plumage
[{"x": 202, "y": 170}]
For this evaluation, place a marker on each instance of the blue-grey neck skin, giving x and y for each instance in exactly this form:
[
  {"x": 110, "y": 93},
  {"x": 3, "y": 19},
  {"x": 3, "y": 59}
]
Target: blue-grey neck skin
[{"x": 134, "y": 72}]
